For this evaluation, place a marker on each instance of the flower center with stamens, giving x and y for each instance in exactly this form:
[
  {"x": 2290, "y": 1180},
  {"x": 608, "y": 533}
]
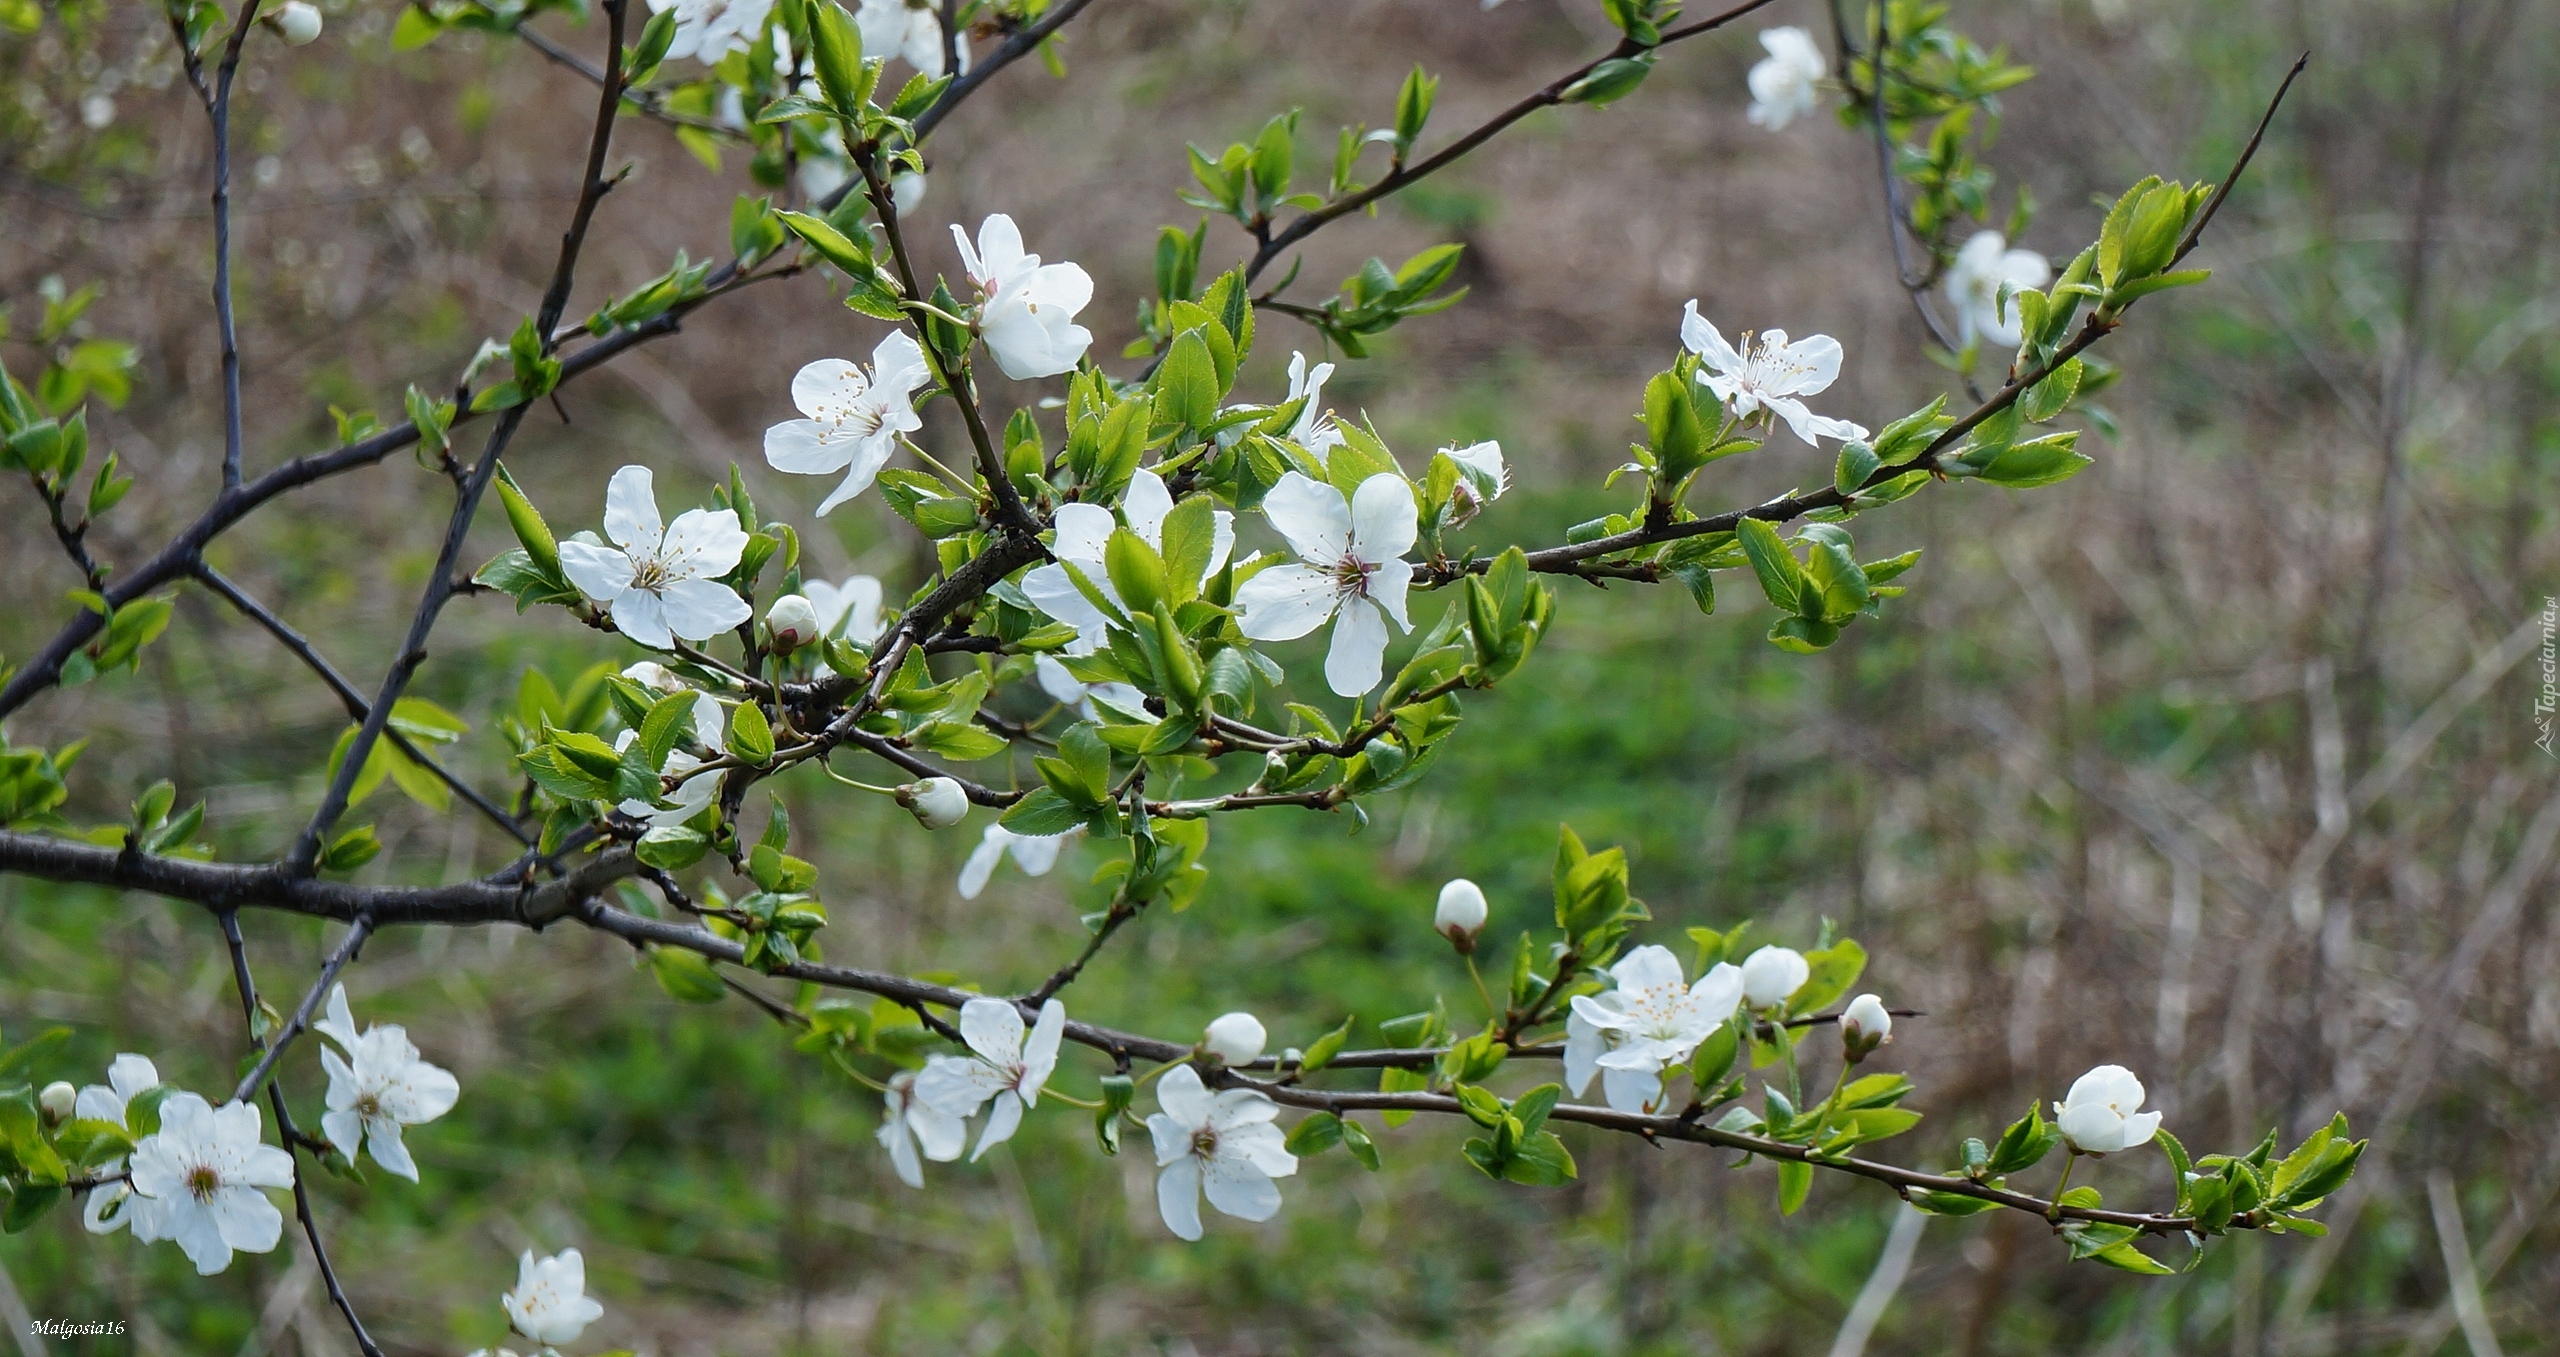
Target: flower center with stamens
[
  {"x": 202, "y": 1181},
  {"x": 1351, "y": 577},
  {"x": 369, "y": 1105},
  {"x": 1204, "y": 1143},
  {"x": 650, "y": 575}
]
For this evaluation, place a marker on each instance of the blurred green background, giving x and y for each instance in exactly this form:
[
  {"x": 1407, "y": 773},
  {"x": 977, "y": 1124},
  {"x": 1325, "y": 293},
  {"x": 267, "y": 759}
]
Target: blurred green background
[{"x": 2062, "y": 791}]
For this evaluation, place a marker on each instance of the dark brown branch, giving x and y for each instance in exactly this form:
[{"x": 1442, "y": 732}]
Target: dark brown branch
[{"x": 509, "y": 897}]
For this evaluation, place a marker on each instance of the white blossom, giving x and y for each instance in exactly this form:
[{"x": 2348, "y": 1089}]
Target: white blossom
[
  {"x": 1008, "y": 1068},
  {"x": 908, "y": 1123},
  {"x": 1221, "y": 1143},
  {"x": 2103, "y": 1112},
  {"x": 550, "y": 1304},
  {"x": 663, "y": 582},
  {"x": 1084, "y": 533},
  {"x": 909, "y": 29},
  {"x": 297, "y": 22},
  {"x": 1027, "y": 309},
  {"x": 58, "y": 1101},
  {"x": 852, "y": 418},
  {"x": 1973, "y": 288},
  {"x": 707, "y": 30},
  {"x": 1772, "y": 975},
  {"x": 906, "y": 191},
  {"x": 792, "y": 622},
  {"x": 1314, "y": 429},
  {"x": 1772, "y": 377},
  {"x": 1350, "y": 571},
  {"x": 850, "y": 610},
  {"x": 1786, "y": 83},
  {"x": 382, "y": 1085},
  {"x": 1035, "y": 854},
  {"x": 97, "y": 110},
  {"x": 1460, "y": 915},
  {"x": 1651, "y": 1020},
  {"x": 1482, "y": 478},
  {"x": 936, "y": 802},
  {"x": 1236, "y": 1038},
  {"x": 200, "y": 1180},
  {"x": 129, "y": 1076}
]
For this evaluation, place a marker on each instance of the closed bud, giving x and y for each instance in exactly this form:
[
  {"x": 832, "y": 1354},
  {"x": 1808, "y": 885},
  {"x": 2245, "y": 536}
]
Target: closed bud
[
  {"x": 792, "y": 622},
  {"x": 298, "y": 23},
  {"x": 1864, "y": 1026},
  {"x": 936, "y": 802},
  {"x": 1235, "y": 1038},
  {"x": 57, "y": 1101},
  {"x": 1461, "y": 914}
]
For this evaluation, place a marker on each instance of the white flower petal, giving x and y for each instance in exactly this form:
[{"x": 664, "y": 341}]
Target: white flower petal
[
  {"x": 1313, "y": 516},
  {"x": 1178, "y": 1197},
  {"x": 1285, "y": 602},
  {"x": 631, "y": 511},
  {"x": 1383, "y": 519},
  {"x": 601, "y": 573},
  {"x": 698, "y": 610},
  {"x": 1357, "y": 659}
]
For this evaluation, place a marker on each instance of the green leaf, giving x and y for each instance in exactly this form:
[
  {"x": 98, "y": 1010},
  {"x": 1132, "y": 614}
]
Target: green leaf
[
  {"x": 1186, "y": 386},
  {"x": 2023, "y": 1145},
  {"x": 1781, "y": 578},
  {"x": 1540, "y": 1160},
  {"x": 1314, "y": 1135},
  {"x": 835, "y": 49},
  {"x": 750, "y": 735},
  {"x": 1795, "y": 1179},
  {"x": 1355, "y": 1138},
  {"x": 672, "y": 847},
  {"x": 687, "y": 977},
  {"x": 1042, "y": 813}
]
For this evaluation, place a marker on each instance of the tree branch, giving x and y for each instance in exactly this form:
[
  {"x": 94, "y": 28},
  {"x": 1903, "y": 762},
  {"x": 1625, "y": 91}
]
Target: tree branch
[{"x": 1315, "y": 219}]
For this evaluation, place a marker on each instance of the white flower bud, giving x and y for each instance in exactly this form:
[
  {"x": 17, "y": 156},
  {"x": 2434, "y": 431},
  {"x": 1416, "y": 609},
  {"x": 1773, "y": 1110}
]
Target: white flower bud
[
  {"x": 1864, "y": 1026},
  {"x": 1235, "y": 1038},
  {"x": 1771, "y": 974},
  {"x": 1461, "y": 914},
  {"x": 298, "y": 22},
  {"x": 792, "y": 622},
  {"x": 906, "y": 191},
  {"x": 936, "y": 802},
  {"x": 58, "y": 1100}
]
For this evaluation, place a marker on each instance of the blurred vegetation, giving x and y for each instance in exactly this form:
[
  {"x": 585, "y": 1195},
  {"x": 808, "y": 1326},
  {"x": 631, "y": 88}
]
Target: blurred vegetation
[{"x": 2058, "y": 792}]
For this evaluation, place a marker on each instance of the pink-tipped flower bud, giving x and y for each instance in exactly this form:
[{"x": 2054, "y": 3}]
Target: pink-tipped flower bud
[{"x": 792, "y": 622}]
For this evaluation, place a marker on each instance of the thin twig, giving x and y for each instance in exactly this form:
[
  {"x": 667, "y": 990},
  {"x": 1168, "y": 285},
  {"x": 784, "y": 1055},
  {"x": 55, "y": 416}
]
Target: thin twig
[
  {"x": 354, "y": 702},
  {"x": 1315, "y": 219},
  {"x": 346, "y": 951},
  {"x": 290, "y": 1134}
]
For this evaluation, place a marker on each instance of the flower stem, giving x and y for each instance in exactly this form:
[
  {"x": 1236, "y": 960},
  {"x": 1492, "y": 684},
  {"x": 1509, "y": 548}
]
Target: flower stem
[{"x": 1491, "y": 1013}]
